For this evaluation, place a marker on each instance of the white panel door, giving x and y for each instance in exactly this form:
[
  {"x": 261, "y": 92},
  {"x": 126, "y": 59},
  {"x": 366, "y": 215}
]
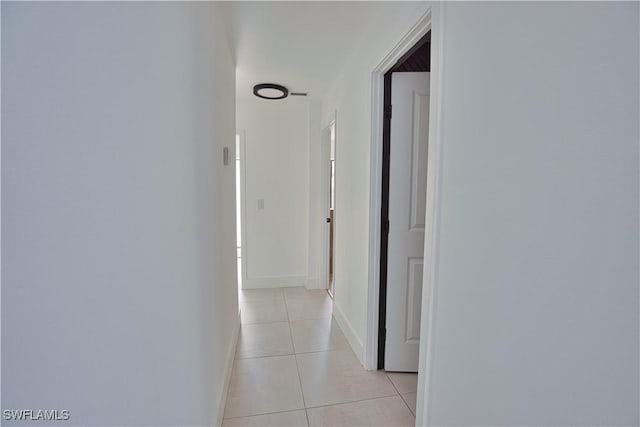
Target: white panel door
[{"x": 407, "y": 204}]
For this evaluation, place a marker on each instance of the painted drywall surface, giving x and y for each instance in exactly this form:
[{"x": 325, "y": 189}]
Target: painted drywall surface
[
  {"x": 318, "y": 199},
  {"x": 118, "y": 281},
  {"x": 350, "y": 98},
  {"x": 536, "y": 319},
  {"x": 276, "y": 172}
]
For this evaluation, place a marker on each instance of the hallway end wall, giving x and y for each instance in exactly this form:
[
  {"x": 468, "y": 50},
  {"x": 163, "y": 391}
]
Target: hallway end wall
[{"x": 277, "y": 191}]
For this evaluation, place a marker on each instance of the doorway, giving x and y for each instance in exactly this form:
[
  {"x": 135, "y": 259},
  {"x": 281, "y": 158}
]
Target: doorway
[
  {"x": 402, "y": 228},
  {"x": 239, "y": 169},
  {"x": 330, "y": 167}
]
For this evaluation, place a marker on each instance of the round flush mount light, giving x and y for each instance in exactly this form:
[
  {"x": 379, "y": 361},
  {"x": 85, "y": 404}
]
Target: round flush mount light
[{"x": 270, "y": 91}]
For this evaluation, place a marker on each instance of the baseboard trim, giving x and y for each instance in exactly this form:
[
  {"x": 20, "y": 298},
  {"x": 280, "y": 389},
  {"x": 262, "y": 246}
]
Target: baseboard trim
[
  {"x": 352, "y": 337},
  {"x": 228, "y": 368},
  {"x": 274, "y": 282}
]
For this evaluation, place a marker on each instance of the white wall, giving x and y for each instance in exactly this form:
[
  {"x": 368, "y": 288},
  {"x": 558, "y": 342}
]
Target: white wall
[
  {"x": 536, "y": 318},
  {"x": 318, "y": 200},
  {"x": 350, "y": 97},
  {"x": 118, "y": 282},
  {"x": 276, "y": 171}
]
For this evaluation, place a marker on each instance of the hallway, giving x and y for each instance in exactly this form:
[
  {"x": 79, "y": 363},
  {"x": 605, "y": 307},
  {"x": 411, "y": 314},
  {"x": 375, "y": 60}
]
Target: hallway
[{"x": 294, "y": 367}]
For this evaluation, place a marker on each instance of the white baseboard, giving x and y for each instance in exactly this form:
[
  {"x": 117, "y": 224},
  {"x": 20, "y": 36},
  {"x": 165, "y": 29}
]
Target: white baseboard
[
  {"x": 228, "y": 365},
  {"x": 352, "y": 337},
  {"x": 274, "y": 282}
]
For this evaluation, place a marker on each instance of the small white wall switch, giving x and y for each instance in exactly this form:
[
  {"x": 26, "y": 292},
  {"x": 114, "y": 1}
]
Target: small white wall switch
[{"x": 260, "y": 204}]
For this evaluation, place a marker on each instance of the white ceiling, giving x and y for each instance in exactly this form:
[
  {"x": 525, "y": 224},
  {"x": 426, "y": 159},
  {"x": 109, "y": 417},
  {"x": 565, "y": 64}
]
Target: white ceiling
[{"x": 299, "y": 44}]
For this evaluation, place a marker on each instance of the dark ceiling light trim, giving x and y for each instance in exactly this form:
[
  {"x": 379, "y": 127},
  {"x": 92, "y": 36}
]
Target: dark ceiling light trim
[{"x": 271, "y": 86}]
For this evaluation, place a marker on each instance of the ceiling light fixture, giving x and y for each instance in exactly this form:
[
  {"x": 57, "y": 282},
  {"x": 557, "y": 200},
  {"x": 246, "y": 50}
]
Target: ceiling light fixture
[{"x": 270, "y": 91}]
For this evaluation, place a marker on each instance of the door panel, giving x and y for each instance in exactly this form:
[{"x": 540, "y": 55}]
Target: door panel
[
  {"x": 419, "y": 160},
  {"x": 407, "y": 204},
  {"x": 414, "y": 297}
]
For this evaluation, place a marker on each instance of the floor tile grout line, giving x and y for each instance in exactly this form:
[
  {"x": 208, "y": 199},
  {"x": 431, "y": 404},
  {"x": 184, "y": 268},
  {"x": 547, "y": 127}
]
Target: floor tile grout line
[
  {"x": 323, "y": 351},
  {"x": 265, "y": 413},
  {"x": 265, "y": 357},
  {"x": 286, "y": 309},
  {"x": 406, "y": 403},
  {"x": 267, "y": 323},
  {"x": 297, "y": 367},
  {"x": 235, "y": 357},
  {"x": 399, "y": 373},
  {"x": 386, "y": 373},
  {"x": 356, "y": 401},
  {"x": 302, "y": 391}
]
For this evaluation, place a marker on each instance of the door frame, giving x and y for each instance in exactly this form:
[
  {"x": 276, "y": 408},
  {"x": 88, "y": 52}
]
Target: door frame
[
  {"x": 243, "y": 205},
  {"x": 384, "y": 223},
  {"x": 324, "y": 191},
  {"x": 431, "y": 20}
]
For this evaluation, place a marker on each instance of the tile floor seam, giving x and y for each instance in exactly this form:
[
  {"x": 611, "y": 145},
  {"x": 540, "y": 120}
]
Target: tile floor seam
[
  {"x": 406, "y": 403},
  {"x": 356, "y": 401},
  {"x": 304, "y": 403},
  {"x": 265, "y": 357},
  {"x": 386, "y": 374},
  {"x": 266, "y": 413},
  {"x": 320, "y": 351},
  {"x": 302, "y": 391},
  {"x": 399, "y": 394},
  {"x": 286, "y": 309}
]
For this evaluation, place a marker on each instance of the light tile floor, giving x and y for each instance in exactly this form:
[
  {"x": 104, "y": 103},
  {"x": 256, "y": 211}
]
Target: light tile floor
[{"x": 294, "y": 367}]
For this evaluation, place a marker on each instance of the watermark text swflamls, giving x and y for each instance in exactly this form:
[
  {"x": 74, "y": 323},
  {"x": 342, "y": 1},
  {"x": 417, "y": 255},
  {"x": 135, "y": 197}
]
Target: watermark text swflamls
[{"x": 36, "y": 414}]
